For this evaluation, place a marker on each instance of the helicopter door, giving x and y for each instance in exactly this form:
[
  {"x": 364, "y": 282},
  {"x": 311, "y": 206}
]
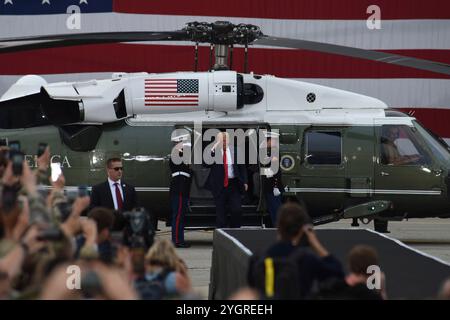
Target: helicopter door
[
  {"x": 406, "y": 172},
  {"x": 202, "y": 207},
  {"x": 322, "y": 180},
  {"x": 359, "y": 163}
]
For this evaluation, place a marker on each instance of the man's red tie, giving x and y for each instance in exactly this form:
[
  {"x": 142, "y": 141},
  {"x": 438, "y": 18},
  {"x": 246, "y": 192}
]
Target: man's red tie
[
  {"x": 118, "y": 197},
  {"x": 225, "y": 168}
]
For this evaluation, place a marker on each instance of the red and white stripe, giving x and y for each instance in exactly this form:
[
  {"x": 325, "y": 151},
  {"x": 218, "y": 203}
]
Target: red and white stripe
[{"x": 412, "y": 28}]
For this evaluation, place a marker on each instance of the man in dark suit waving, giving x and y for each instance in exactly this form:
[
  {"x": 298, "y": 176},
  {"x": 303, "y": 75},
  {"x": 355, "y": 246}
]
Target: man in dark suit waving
[
  {"x": 114, "y": 193},
  {"x": 227, "y": 181}
]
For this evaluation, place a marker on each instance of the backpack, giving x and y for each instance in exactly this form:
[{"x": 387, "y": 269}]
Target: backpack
[
  {"x": 277, "y": 277},
  {"x": 154, "y": 289}
]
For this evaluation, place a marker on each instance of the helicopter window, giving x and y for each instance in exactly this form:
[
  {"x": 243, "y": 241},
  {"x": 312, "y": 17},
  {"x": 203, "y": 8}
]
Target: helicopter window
[
  {"x": 324, "y": 147},
  {"x": 400, "y": 146},
  {"x": 439, "y": 148}
]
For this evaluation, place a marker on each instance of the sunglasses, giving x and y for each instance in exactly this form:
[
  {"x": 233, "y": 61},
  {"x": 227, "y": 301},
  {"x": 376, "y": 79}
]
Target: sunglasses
[{"x": 117, "y": 168}]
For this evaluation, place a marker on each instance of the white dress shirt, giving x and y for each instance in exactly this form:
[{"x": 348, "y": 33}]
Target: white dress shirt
[
  {"x": 113, "y": 191},
  {"x": 229, "y": 163}
]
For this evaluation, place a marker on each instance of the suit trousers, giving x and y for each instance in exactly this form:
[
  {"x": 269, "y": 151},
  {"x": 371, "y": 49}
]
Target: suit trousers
[{"x": 229, "y": 199}]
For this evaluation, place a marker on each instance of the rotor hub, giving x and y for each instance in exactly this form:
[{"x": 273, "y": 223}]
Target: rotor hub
[{"x": 222, "y": 32}]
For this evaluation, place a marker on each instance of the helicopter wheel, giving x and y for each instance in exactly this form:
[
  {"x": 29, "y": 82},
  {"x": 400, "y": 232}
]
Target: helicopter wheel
[{"x": 380, "y": 226}]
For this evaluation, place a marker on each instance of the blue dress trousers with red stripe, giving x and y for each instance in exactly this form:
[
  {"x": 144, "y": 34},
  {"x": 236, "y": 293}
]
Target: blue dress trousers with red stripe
[{"x": 179, "y": 198}]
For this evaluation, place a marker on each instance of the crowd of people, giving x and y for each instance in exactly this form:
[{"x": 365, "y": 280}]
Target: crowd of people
[{"x": 56, "y": 246}]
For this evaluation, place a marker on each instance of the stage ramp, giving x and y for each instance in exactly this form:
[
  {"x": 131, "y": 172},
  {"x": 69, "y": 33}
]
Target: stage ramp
[{"x": 410, "y": 273}]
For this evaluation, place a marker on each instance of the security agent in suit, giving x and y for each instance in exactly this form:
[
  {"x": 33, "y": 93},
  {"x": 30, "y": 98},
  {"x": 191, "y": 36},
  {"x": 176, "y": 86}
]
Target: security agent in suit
[
  {"x": 114, "y": 193},
  {"x": 272, "y": 181},
  {"x": 180, "y": 185},
  {"x": 227, "y": 181}
]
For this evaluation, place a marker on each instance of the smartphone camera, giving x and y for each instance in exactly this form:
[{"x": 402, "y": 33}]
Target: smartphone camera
[
  {"x": 41, "y": 149},
  {"x": 17, "y": 159},
  {"x": 4, "y": 152},
  {"x": 83, "y": 191},
  {"x": 56, "y": 171},
  {"x": 14, "y": 145},
  {"x": 3, "y": 142},
  {"x": 51, "y": 234}
]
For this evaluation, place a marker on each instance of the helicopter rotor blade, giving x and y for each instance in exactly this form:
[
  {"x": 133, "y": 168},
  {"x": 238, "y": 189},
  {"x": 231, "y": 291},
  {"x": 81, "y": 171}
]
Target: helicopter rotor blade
[
  {"x": 217, "y": 32},
  {"x": 65, "y": 40},
  {"x": 378, "y": 56}
]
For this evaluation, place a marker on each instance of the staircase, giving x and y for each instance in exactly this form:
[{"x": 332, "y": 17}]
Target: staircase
[{"x": 202, "y": 215}]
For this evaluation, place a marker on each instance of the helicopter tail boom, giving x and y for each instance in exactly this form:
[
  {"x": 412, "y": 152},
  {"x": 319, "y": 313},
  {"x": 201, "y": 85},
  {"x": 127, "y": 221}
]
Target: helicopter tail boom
[{"x": 122, "y": 96}]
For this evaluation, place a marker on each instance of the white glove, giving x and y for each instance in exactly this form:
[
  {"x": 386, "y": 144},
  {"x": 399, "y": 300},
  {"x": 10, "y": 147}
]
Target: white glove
[
  {"x": 276, "y": 192},
  {"x": 268, "y": 172}
]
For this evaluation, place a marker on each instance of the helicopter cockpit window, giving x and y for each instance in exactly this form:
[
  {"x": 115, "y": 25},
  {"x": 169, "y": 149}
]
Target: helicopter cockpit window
[
  {"x": 400, "y": 145},
  {"x": 324, "y": 147},
  {"x": 438, "y": 146}
]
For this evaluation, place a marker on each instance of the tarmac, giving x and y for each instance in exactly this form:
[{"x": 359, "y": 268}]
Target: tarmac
[{"x": 431, "y": 235}]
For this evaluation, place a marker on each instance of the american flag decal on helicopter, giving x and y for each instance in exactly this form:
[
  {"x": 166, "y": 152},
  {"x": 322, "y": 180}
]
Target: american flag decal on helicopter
[{"x": 171, "y": 92}]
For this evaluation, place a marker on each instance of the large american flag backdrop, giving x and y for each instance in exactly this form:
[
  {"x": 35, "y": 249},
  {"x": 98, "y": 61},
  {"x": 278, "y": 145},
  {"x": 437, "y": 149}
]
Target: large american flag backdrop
[{"x": 414, "y": 28}]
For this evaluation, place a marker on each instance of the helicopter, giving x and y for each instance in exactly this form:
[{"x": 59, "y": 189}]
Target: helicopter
[{"x": 343, "y": 155}]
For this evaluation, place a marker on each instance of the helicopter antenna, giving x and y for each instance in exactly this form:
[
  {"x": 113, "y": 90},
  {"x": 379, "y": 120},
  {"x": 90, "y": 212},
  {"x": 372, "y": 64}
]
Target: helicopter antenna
[
  {"x": 246, "y": 58},
  {"x": 231, "y": 56},
  {"x": 211, "y": 48},
  {"x": 196, "y": 57}
]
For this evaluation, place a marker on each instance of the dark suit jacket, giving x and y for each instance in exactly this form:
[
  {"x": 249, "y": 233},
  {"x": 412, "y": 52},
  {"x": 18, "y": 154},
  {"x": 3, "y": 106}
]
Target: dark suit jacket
[
  {"x": 216, "y": 176},
  {"x": 101, "y": 197}
]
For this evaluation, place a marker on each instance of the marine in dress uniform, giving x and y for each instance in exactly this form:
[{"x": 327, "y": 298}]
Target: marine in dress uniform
[
  {"x": 180, "y": 185},
  {"x": 272, "y": 181}
]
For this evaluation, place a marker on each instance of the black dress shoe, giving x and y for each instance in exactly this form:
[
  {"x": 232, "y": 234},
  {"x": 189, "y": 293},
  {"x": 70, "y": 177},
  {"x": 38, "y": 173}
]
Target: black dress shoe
[{"x": 182, "y": 245}]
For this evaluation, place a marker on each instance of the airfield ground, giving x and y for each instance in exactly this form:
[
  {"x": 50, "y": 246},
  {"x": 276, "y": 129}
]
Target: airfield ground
[{"x": 431, "y": 236}]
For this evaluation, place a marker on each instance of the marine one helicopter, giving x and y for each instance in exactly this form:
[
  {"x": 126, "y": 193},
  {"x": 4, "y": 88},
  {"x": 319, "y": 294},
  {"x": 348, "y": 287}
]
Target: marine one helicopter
[{"x": 343, "y": 155}]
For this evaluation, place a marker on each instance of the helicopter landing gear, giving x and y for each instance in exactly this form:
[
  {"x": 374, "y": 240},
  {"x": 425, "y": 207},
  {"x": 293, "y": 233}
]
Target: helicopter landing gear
[
  {"x": 355, "y": 222},
  {"x": 380, "y": 226}
]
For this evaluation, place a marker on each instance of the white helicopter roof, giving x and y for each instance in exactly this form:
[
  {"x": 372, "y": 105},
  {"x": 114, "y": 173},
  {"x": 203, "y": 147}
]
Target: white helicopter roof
[
  {"x": 286, "y": 102},
  {"x": 280, "y": 101}
]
